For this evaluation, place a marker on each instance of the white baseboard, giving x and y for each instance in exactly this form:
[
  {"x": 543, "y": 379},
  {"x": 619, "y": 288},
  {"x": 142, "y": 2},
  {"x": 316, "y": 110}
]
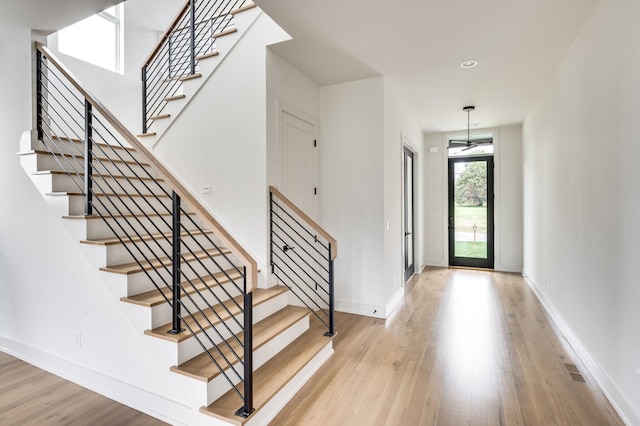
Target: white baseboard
[
  {"x": 375, "y": 311},
  {"x": 508, "y": 268},
  {"x": 394, "y": 302},
  {"x": 625, "y": 409},
  {"x": 173, "y": 412}
]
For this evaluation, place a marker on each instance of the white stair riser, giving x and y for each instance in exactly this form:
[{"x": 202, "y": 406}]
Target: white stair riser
[
  {"x": 116, "y": 254},
  {"x": 219, "y": 386},
  {"x": 149, "y": 205},
  {"x": 39, "y": 162},
  {"x": 266, "y": 414},
  {"x": 47, "y": 183},
  {"x": 106, "y": 228},
  {"x": 170, "y": 353},
  {"x": 76, "y": 148},
  {"x": 162, "y": 314},
  {"x": 201, "y": 393}
]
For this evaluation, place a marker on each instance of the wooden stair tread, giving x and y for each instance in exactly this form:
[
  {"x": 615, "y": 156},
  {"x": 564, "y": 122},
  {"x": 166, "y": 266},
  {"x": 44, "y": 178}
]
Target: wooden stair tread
[
  {"x": 80, "y": 174},
  {"x": 99, "y": 194},
  {"x": 243, "y": 8},
  {"x": 174, "y": 98},
  {"x": 207, "y": 55},
  {"x": 154, "y": 297},
  {"x": 160, "y": 117},
  {"x": 74, "y": 140},
  {"x": 117, "y": 216},
  {"x": 225, "y": 32},
  {"x": 146, "y": 135},
  {"x": 269, "y": 379},
  {"x": 81, "y": 156},
  {"x": 147, "y": 237},
  {"x": 134, "y": 268},
  {"x": 201, "y": 368},
  {"x": 259, "y": 296},
  {"x": 183, "y": 77}
]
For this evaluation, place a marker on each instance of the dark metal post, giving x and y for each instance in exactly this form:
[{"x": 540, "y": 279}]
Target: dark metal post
[
  {"x": 39, "y": 94},
  {"x": 144, "y": 99},
  {"x": 88, "y": 160},
  {"x": 247, "y": 408},
  {"x": 177, "y": 325},
  {"x": 332, "y": 329},
  {"x": 192, "y": 8}
]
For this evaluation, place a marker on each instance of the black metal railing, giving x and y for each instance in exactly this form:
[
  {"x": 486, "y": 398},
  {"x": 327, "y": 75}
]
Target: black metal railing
[
  {"x": 190, "y": 37},
  {"x": 302, "y": 255},
  {"x": 178, "y": 247}
]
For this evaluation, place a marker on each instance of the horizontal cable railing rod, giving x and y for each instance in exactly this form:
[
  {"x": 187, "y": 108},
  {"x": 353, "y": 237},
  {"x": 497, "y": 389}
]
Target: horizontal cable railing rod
[
  {"x": 285, "y": 248},
  {"x": 308, "y": 220},
  {"x": 301, "y": 238},
  {"x": 178, "y": 187}
]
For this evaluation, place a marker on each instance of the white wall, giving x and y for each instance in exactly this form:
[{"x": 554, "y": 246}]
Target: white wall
[
  {"x": 400, "y": 128},
  {"x": 144, "y": 23},
  {"x": 49, "y": 291},
  {"x": 508, "y": 205},
  {"x": 352, "y": 190},
  {"x": 582, "y": 202},
  {"x": 220, "y": 140}
]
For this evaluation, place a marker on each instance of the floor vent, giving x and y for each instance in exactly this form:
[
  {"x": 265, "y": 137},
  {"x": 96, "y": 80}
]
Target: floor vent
[{"x": 575, "y": 374}]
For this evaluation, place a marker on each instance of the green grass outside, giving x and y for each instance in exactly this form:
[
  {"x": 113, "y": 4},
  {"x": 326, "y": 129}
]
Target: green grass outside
[
  {"x": 467, "y": 216},
  {"x": 471, "y": 249}
]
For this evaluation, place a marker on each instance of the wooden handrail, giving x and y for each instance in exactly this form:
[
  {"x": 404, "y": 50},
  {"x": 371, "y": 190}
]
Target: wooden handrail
[
  {"x": 166, "y": 34},
  {"x": 308, "y": 220},
  {"x": 177, "y": 186}
]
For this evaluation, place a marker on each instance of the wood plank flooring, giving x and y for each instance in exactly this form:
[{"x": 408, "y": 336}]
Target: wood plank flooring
[
  {"x": 464, "y": 348},
  {"x": 31, "y": 396}
]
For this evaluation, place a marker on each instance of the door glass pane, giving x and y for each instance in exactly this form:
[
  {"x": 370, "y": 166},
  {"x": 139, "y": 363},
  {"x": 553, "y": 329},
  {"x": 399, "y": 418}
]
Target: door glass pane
[
  {"x": 409, "y": 210},
  {"x": 470, "y": 209}
]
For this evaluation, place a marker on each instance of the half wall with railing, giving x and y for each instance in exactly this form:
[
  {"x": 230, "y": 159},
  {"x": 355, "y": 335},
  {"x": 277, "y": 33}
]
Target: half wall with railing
[{"x": 302, "y": 256}]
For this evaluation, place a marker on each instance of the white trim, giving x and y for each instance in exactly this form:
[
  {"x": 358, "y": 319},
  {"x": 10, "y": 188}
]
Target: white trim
[
  {"x": 282, "y": 108},
  {"x": 137, "y": 398},
  {"x": 616, "y": 397},
  {"x": 376, "y": 311}
]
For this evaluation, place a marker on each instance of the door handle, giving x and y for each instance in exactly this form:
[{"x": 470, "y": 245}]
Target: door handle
[
  {"x": 286, "y": 248},
  {"x": 451, "y": 225},
  {"x": 407, "y": 233}
]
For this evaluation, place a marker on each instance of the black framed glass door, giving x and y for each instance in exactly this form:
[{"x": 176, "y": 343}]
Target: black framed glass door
[
  {"x": 408, "y": 210},
  {"x": 471, "y": 223}
]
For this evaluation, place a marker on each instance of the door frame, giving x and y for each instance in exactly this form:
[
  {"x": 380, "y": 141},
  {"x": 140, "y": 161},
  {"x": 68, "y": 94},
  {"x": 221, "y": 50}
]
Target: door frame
[
  {"x": 283, "y": 108},
  {"x": 489, "y": 262},
  {"x": 408, "y": 273}
]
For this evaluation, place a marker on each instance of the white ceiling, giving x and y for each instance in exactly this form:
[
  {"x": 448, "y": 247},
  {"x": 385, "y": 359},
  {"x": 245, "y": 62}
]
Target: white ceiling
[
  {"x": 418, "y": 46},
  {"x": 45, "y": 15}
]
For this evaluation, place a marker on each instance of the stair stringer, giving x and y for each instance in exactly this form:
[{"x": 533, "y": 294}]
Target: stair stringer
[{"x": 206, "y": 67}]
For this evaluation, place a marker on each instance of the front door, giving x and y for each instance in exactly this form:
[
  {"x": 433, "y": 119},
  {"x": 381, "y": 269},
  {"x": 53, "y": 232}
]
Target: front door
[
  {"x": 471, "y": 225},
  {"x": 408, "y": 210}
]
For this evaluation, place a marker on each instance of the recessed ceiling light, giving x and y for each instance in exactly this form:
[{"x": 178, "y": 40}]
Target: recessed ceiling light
[{"x": 468, "y": 64}]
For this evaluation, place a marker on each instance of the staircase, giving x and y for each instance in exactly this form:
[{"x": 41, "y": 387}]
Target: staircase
[
  {"x": 238, "y": 351},
  {"x": 183, "y": 59}
]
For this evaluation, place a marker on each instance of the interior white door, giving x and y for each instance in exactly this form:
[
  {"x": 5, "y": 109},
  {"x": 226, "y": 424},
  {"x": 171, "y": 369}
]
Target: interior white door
[
  {"x": 297, "y": 166},
  {"x": 297, "y": 181}
]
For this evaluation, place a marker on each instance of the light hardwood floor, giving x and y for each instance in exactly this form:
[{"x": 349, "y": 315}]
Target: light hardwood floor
[
  {"x": 31, "y": 396},
  {"x": 464, "y": 348}
]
